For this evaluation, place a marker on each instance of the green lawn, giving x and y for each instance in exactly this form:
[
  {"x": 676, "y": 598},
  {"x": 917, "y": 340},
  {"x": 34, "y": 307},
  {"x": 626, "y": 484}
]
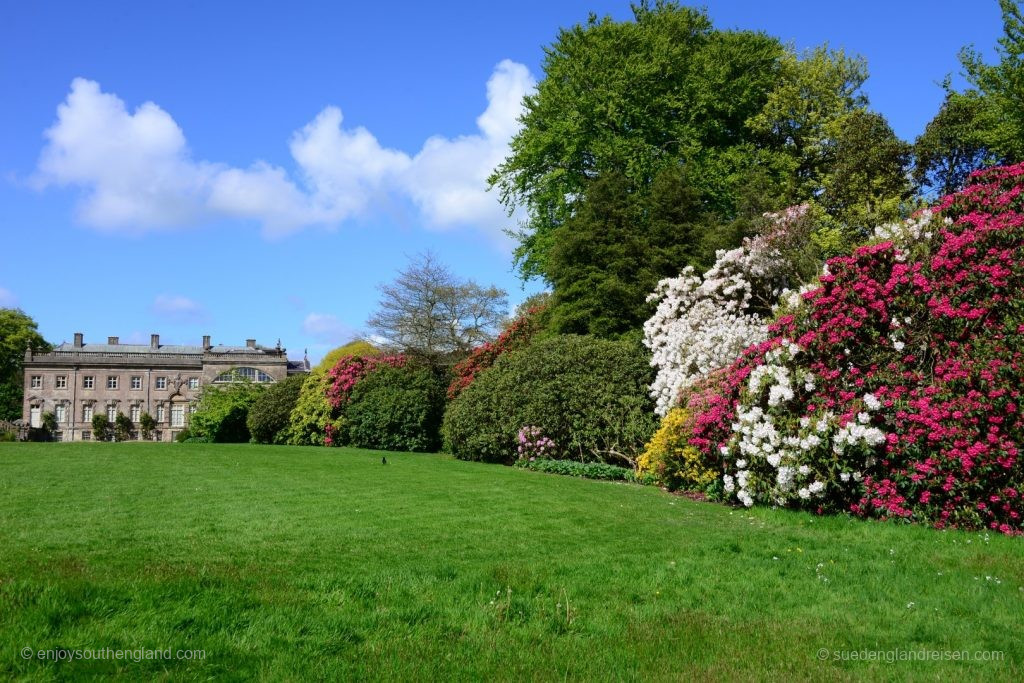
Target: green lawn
[{"x": 301, "y": 563}]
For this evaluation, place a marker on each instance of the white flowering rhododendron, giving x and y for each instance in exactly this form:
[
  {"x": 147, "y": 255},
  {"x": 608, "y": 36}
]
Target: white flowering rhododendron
[
  {"x": 703, "y": 323},
  {"x": 778, "y": 460}
]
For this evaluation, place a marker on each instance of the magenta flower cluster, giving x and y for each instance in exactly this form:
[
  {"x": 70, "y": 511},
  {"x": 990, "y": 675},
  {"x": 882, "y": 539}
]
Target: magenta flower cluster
[{"x": 921, "y": 341}]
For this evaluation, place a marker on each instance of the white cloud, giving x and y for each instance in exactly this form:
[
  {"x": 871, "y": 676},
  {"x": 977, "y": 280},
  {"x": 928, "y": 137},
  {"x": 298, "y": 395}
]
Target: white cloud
[
  {"x": 7, "y": 298},
  {"x": 138, "y": 174},
  {"x": 327, "y": 328},
  {"x": 179, "y": 309}
]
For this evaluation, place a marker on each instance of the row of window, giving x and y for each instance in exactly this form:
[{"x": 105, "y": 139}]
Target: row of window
[
  {"x": 89, "y": 382},
  {"x": 60, "y": 412}
]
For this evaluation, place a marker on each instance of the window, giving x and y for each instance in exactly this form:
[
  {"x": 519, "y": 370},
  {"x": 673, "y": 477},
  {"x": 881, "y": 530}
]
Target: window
[
  {"x": 244, "y": 375},
  {"x": 111, "y": 381},
  {"x": 88, "y": 382},
  {"x": 86, "y": 412},
  {"x": 135, "y": 412},
  {"x": 177, "y": 415},
  {"x": 161, "y": 382},
  {"x": 159, "y": 413},
  {"x": 37, "y": 381},
  {"x": 60, "y": 412},
  {"x": 193, "y": 382},
  {"x": 136, "y": 382},
  {"x": 111, "y": 412},
  {"x": 86, "y": 435},
  {"x": 61, "y": 382}
]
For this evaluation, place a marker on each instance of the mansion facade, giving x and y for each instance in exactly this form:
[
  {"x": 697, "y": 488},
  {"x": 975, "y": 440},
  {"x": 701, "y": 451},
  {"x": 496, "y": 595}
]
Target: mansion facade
[{"x": 77, "y": 381}]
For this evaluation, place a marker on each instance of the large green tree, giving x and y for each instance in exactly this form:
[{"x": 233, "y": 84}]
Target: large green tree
[
  {"x": 953, "y": 144},
  {"x": 18, "y": 331},
  {"x": 608, "y": 256},
  {"x": 633, "y": 98},
  {"x": 866, "y": 180},
  {"x": 1002, "y": 86}
]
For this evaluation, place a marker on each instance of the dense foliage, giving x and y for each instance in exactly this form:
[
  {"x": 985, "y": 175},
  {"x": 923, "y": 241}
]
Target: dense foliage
[
  {"x": 270, "y": 415},
  {"x": 397, "y": 408},
  {"x": 703, "y": 322},
  {"x": 892, "y": 389},
  {"x": 517, "y": 335},
  {"x": 1001, "y": 85},
  {"x": 222, "y": 411},
  {"x": 672, "y": 460},
  {"x": 636, "y": 98},
  {"x": 589, "y": 396},
  {"x": 18, "y": 332}
]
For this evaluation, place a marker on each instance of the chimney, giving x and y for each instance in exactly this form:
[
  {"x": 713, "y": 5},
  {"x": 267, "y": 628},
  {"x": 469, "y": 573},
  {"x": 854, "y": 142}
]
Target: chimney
[
  {"x": 251, "y": 343},
  {"x": 112, "y": 341},
  {"x": 78, "y": 340},
  {"x": 154, "y": 341},
  {"x": 206, "y": 342}
]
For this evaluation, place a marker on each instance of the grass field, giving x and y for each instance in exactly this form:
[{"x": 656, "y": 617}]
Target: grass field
[{"x": 293, "y": 563}]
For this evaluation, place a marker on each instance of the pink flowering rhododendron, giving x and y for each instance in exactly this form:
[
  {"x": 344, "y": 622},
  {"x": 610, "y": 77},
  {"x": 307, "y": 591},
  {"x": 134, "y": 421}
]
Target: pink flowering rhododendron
[{"x": 893, "y": 388}]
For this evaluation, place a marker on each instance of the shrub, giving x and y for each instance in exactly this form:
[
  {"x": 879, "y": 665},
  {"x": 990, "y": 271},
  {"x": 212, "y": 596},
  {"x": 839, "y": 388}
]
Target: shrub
[
  {"x": 671, "y": 460},
  {"x": 892, "y": 390},
  {"x": 311, "y": 416},
  {"x": 221, "y": 413},
  {"x": 102, "y": 429},
  {"x": 146, "y": 425},
  {"x": 589, "y": 470},
  {"x": 122, "y": 427},
  {"x": 270, "y": 414},
  {"x": 8, "y": 435},
  {"x": 703, "y": 322},
  {"x": 396, "y": 408},
  {"x": 516, "y": 336},
  {"x": 358, "y": 347},
  {"x": 318, "y": 418},
  {"x": 589, "y": 396}
]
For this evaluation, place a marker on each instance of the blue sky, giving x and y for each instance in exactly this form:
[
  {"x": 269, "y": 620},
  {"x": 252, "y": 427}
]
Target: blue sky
[{"x": 256, "y": 169}]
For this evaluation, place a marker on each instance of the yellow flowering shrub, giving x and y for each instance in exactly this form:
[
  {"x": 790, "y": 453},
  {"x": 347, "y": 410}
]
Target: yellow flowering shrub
[{"x": 671, "y": 460}]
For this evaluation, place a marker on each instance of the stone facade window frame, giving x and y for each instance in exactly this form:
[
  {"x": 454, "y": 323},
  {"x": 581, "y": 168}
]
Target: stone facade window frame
[
  {"x": 36, "y": 381},
  {"x": 161, "y": 383},
  {"x": 112, "y": 381},
  {"x": 88, "y": 381},
  {"x": 193, "y": 383},
  {"x": 136, "y": 383},
  {"x": 60, "y": 382}
]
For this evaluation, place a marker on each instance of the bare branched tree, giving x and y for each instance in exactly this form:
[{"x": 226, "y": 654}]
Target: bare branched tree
[{"x": 429, "y": 312}]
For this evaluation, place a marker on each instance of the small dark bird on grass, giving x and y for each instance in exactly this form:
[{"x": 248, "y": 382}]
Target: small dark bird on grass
[{"x": 384, "y": 460}]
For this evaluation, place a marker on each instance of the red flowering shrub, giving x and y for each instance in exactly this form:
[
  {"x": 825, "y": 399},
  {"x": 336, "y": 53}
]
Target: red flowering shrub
[
  {"x": 518, "y": 335},
  {"x": 340, "y": 381},
  {"x": 893, "y": 389}
]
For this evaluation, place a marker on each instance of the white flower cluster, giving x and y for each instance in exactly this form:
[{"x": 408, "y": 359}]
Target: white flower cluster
[
  {"x": 703, "y": 323},
  {"x": 778, "y": 458},
  {"x": 909, "y": 231}
]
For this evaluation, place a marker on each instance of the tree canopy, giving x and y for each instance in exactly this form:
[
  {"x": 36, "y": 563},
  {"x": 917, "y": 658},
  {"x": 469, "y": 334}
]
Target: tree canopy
[
  {"x": 429, "y": 313},
  {"x": 18, "y": 331}
]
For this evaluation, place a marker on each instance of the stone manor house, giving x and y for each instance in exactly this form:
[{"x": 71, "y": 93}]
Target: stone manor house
[{"x": 77, "y": 381}]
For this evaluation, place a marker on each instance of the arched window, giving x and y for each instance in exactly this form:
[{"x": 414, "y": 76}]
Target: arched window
[{"x": 243, "y": 375}]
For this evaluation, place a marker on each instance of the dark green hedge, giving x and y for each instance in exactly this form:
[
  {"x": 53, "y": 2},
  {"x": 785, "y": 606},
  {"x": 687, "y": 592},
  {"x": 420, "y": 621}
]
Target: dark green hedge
[
  {"x": 589, "y": 395},
  {"x": 269, "y": 416},
  {"x": 397, "y": 409}
]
